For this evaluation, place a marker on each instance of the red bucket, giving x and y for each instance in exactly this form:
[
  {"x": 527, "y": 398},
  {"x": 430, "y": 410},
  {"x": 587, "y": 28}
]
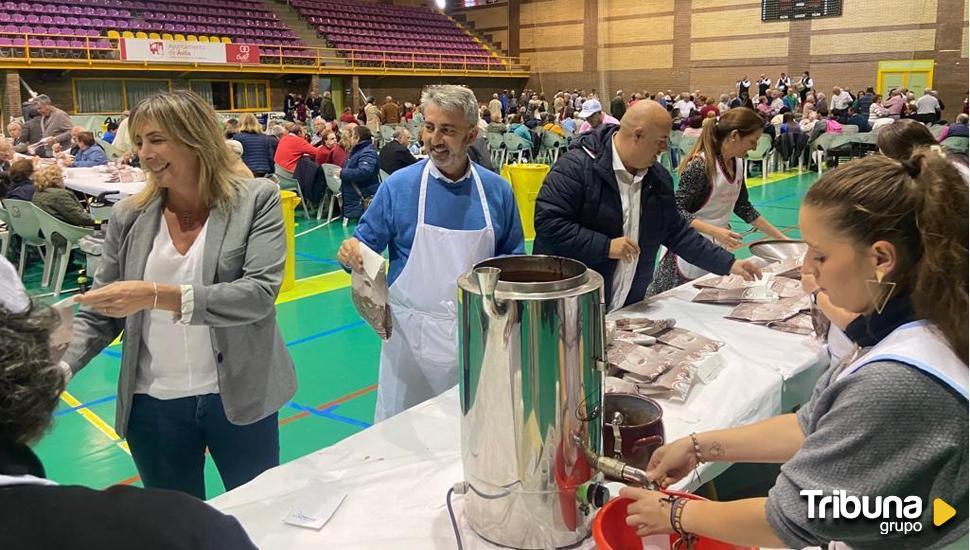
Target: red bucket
[{"x": 611, "y": 532}]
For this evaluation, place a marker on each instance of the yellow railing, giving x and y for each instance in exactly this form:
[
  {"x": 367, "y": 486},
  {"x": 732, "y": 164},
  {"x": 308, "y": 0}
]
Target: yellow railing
[{"x": 102, "y": 51}]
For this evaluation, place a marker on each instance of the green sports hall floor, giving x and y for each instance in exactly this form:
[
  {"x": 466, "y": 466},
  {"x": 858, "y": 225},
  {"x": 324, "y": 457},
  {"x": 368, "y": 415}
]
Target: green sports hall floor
[{"x": 336, "y": 358}]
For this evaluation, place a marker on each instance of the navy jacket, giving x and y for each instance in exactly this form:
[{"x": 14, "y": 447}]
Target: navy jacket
[
  {"x": 578, "y": 213},
  {"x": 361, "y": 169},
  {"x": 21, "y": 190},
  {"x": 257, "y": 152}
]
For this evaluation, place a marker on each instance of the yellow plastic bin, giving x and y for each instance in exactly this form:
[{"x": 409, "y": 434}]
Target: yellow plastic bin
[
  {"x": 526, "y": 180},
  {"x": 290, "y": 201}
]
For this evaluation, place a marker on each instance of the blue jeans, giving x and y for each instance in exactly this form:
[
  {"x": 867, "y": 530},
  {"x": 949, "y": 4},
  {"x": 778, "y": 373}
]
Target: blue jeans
[{"x": 168, "y": 439}]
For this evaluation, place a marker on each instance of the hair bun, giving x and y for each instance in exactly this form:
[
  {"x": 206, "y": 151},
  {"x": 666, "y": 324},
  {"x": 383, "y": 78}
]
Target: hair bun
[{"x": 912, "y": 168}]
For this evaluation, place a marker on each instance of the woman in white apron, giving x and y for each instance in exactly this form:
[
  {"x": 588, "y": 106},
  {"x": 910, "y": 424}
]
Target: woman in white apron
[
  {"x": 711, "y": 188},
  {"x": 887, "y": 241}
]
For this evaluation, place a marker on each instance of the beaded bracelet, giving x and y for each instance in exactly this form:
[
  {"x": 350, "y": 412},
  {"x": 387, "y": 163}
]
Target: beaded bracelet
[{"x": 697, "y": 448}]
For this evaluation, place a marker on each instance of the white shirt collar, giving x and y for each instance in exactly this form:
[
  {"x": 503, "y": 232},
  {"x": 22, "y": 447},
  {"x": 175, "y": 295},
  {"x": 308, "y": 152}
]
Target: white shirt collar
[
  {"x": 436, "y": 174},
  {"x": 618, "y": 164}
]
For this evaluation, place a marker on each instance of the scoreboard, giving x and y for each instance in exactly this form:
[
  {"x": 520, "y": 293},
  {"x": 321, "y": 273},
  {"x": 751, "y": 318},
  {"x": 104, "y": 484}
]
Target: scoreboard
[{"x": 784, "y": 10}]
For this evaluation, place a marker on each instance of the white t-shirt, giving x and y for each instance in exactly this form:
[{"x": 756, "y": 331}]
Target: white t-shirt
[
  {"x": 927, "y": 105},
  {"x": 176, "y": 358},
  {"x": 629, "y": 187},
  {"x": 685, "y": 107}
]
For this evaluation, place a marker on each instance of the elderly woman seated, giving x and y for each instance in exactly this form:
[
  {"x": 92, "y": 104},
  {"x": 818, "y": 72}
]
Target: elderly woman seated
[
  {"x": 36, "y": 512},
  {"x": 89, "y": 153},
  {"x": 51, "y": 197}
]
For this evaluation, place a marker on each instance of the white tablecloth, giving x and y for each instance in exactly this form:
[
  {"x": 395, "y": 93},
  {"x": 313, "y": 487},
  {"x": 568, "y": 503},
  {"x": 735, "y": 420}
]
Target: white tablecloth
[
  {"x": 396, "y": 473},
  {"x": 94, "y": 181}
]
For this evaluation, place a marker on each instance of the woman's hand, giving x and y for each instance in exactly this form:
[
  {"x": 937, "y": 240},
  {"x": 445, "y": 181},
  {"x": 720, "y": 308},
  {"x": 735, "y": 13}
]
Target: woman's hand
[
  {"x": 672, "y": 462},
  {"x": 726, "y": 238},
  {"x": 649, "y": 513},
  {"x": 119, "y": 299}
]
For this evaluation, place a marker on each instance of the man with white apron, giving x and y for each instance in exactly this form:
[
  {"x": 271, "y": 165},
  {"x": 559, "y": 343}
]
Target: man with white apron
[
  {"x": 420, "y": 359},
  {"x": 438, "y": 218}
]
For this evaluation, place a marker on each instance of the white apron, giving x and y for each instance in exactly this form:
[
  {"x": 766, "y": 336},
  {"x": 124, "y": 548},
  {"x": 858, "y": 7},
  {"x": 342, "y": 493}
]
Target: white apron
[
  {"x": 716, "y": 211},
  {"x": 920, "y": 346},
  {"x": 420, "y": 359}
]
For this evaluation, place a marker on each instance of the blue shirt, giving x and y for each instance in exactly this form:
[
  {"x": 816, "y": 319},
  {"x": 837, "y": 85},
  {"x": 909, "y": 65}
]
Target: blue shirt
[{"x": 392, "y": 218}]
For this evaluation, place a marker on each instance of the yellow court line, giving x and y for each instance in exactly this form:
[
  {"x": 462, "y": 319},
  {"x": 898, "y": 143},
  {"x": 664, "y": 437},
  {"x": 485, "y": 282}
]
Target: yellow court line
[
  {"x": 773, "y": 178},
  {"x": 318, "y": 284},
  {"x": 96, "y": 421}
]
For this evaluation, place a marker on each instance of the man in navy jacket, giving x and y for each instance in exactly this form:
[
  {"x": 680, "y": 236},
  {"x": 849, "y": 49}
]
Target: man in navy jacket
[{"x": 610, "y": 205}]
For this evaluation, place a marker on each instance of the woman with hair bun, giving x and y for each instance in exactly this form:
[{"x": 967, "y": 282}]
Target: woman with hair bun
[
  {"x": 887, "y": 241},
  {"x": 712, "y": 188}
]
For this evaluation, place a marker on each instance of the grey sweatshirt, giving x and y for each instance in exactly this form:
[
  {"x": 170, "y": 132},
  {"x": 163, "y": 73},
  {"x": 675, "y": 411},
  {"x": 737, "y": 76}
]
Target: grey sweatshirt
[{"x": 887, "y": 429}]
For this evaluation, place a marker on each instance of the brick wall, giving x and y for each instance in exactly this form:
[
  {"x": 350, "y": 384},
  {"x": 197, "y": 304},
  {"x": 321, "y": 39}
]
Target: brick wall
[{"x": 709, "y": 44}]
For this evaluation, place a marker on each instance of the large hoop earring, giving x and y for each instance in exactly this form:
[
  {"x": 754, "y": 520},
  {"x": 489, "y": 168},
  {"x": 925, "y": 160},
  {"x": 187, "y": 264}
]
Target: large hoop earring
[{"x": 880, "y": 291}]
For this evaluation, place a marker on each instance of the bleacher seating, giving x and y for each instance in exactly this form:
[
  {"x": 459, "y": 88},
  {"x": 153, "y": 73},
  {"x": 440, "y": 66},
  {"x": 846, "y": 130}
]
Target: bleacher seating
[
  {"x": 60, "y": 28},
  {"x": 366, "y": 32}
]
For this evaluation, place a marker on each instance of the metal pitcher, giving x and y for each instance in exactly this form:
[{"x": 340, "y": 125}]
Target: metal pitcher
[{"x": 531, "y": 384}]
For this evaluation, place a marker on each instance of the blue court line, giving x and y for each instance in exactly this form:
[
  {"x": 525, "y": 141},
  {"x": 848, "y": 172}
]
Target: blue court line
[
  {"x": 87, "y": 405},
  {"x": 306, "y": 339},
  {"x": 316, "y": 259},
  {"x": 776, "y": 199},
  {"x": 328, "y": 413},
  {"x": 298, "y": 341}
]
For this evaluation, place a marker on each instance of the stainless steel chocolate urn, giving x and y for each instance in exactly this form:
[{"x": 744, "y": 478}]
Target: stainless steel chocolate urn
[{"x": 531, "y": 383}]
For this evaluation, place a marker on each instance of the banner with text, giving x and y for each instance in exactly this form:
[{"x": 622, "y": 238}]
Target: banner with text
[{"x": 170, "y": 51}]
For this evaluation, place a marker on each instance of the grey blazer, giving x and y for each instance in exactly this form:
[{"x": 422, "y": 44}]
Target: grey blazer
[{"x": 242, "y": 271}]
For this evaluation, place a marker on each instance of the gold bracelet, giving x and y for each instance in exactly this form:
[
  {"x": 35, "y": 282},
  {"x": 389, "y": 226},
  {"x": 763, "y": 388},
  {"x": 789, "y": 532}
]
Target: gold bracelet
[{"x": 155, "y": 303}]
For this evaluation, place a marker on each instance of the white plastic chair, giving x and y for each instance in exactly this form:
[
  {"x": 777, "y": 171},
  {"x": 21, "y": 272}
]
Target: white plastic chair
[
  {"x": 4, "y": 231},
  {"x": 62, "y": 238},
  {"x": 287, "y": 181},
  {"x": 110, "y": 150},
  {"x": 24, "y": 224},
  {"x": 387, "y": 133},
  {"x": 333, "y": 188},
  {"x": 496, "y": 147},
  {"x": 516, "y": 145},
  {"x": 552, "y": 144},
  {"x": 762, "y": 154}
]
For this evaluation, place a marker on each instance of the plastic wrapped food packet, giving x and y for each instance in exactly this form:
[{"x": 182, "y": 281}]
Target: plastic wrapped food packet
[
  {"x": 643, "y": 325},
  {"x": 369, "y": 292},
  {"x": 765, "y": 313},
  {"x": 689, "y": 341},
  {"x": 640, "y": 360},
  {"x": 635, "y": 337},
  {"x": 731, "y": 296},
  {"x": 612, "y": 384},
  {"x": 675, "y": 379},
  {"x": 789, "y": 267},
  {"x": 785, "y": 287},
  {"x": 724, "y": 282},
  {"x": 801, "y": 323}
]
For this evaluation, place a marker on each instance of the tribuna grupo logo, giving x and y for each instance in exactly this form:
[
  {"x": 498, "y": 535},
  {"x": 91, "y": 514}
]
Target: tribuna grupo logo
[{"x": 897, "y": 514}]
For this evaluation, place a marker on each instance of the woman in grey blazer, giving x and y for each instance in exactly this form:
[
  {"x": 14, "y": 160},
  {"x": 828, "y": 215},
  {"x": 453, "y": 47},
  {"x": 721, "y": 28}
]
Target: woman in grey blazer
[{"x": 190, "y": 271}]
